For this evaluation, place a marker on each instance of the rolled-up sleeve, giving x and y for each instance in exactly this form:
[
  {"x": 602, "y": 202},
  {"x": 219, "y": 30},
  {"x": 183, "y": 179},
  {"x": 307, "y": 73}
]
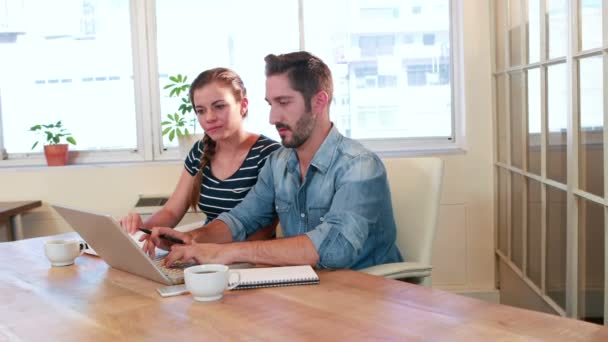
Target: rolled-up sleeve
[
  {"x": 257, "y": 208},
  {"x": 361, "y": 188}
]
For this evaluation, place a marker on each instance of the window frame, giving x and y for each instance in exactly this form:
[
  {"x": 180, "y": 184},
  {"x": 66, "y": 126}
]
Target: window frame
[
  {"x": 403, "y": 147},
  {"x": 148, "y": 109}
]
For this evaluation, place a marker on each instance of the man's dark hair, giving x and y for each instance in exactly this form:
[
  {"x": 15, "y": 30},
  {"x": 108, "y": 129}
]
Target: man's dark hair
[{"x": 307, "y": 73}]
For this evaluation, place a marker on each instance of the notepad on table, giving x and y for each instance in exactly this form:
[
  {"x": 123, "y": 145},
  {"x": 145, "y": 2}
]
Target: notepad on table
[{"x": 276, "y": 276}]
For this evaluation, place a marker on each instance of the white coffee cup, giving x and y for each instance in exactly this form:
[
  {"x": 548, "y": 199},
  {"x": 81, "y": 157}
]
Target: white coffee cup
[
  {"x": 208, "y": 282},
  {"x": 62, "y": 252}
]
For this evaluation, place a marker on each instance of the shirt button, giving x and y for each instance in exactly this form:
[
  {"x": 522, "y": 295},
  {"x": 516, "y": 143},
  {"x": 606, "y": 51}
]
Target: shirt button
[{"x": 302, "y": 215}]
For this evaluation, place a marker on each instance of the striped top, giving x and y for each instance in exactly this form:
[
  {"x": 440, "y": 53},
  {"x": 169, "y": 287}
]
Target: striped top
[{"x": 218, "y": 196}]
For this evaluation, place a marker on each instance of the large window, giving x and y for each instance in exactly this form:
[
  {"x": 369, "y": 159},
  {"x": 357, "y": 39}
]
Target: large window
[
  {"x": 69, "y": 62},
  {"x": 100, "y": 67},
  {"x": 391, "y": 62},
  {"x": 192, "y": 37}
]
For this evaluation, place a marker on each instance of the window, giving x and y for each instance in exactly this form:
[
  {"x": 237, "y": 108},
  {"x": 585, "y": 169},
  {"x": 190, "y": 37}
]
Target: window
[
  {"x": 377, "y": 45},
  {"x": 428, "y": 39},
  {"x": 378, "y": 13},
  {"x": 427, "y": 74},
  {"x": 407, "y": 38},
  {"x": 71, "y": 63},
  {"x": 416, "y": 75},
  {"x": 100, "y": 67},
  {"x": 396, "y": 72},
  {"x": 239, "y": 47}
]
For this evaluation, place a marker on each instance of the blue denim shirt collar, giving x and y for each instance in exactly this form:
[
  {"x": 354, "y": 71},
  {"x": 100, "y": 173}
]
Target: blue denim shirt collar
[{"x": 323, "y": 157}]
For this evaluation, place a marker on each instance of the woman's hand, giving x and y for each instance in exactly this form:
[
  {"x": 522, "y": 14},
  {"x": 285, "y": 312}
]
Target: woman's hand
[
  {"x": 131, "y": 222},
  {"x": 155, "y": 239}
]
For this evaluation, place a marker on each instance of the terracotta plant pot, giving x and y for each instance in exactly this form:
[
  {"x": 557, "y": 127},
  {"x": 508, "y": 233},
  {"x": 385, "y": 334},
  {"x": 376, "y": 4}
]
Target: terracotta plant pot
[{"x": 56, "y": 155}]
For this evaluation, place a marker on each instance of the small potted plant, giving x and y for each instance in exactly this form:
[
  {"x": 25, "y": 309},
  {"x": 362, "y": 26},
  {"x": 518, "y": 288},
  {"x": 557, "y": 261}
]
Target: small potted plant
[
  {"x": 182, "y": 123},
  {"x": 53, "y": 134}
]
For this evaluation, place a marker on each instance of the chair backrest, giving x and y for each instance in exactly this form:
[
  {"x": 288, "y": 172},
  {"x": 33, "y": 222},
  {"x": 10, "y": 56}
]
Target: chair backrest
[{"x": 415, "y": 185}]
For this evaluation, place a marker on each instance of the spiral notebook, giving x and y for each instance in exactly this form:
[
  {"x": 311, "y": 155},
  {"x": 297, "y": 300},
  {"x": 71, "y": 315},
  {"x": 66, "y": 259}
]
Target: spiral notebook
[{"x": 252, "y": 278}]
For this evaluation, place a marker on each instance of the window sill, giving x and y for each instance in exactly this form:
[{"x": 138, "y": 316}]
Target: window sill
[
  {"x": 90, "y": 158},
  {"x": 422, "y": 152},
  {"x": 10, "y": 167},
  {"x": 384, "y": 149},
  {"x": 410, "y": 148}
]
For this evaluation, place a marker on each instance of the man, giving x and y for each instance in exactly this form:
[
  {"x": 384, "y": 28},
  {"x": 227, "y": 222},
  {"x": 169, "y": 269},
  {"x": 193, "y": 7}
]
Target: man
[{"x": 331, "y": 194}]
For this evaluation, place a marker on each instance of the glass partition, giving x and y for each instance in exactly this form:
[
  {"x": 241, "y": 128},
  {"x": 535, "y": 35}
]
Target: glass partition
[{"x": 591, "y": 147}]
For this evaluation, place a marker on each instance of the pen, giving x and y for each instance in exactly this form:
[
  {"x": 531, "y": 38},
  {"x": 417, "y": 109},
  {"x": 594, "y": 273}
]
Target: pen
[{"x": 163, "y": 236}]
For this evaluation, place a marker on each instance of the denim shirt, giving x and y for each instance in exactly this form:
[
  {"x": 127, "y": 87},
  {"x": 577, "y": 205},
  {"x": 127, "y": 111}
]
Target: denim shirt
[{"x": 343, "y": 205}]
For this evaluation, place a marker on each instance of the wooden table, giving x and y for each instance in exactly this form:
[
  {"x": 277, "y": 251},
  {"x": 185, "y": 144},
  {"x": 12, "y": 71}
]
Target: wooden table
[
  {"x": 11, "y": 213},
  {"x": 89, "y": 301}
]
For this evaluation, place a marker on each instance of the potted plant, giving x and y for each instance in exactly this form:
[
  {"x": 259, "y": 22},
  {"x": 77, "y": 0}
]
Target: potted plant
[
  {"x": 53, "y": 134},
  {"x": 182, "y": 123}
]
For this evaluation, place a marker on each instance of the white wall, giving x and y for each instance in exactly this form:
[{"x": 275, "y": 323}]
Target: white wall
[
  {"x": 111, "y": 189},
  {"x": 463, "y": 251}
]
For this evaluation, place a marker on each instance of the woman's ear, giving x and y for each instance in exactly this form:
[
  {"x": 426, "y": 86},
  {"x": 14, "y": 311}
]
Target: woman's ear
[{"x": 244, "y": 106}]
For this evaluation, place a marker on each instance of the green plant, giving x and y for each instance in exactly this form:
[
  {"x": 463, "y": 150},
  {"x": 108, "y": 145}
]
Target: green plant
[
  {"x": 52, "y": 133},
  {"x": 178, "y": 124}
]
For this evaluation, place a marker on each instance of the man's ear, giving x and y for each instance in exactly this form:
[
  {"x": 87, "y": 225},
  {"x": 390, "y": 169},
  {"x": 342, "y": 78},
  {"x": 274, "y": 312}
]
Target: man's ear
[
  {"x": 244, "y": 106},
  {"x": 319, "y": 102}
]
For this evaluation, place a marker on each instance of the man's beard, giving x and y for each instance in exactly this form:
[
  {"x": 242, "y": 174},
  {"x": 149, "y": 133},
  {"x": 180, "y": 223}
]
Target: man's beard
[{"x": 301, "y": 133}]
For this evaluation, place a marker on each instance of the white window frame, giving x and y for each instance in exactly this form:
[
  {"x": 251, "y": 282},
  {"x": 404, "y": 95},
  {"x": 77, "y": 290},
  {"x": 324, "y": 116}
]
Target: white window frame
[
  {"x": 400, "y": 147},
  {"x": 148, "y": 108}
]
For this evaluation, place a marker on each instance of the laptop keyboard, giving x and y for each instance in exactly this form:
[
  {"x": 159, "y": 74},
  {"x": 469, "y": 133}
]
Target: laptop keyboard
[{"x": 175, "y": 272}]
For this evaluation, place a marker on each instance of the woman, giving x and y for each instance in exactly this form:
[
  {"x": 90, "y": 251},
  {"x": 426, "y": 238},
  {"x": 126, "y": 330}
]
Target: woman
[{"x": 221, "y": 169}]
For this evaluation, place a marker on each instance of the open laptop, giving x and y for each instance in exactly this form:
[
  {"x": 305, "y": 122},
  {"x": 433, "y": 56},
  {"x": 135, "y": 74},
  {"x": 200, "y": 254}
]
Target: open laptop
[{"x": 114, "y": 245}]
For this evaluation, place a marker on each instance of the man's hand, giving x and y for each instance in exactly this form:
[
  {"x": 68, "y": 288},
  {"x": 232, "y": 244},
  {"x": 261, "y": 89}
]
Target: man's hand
[
  {"x": 155, "y": 240},
  {"x": 202, "y": 253}
]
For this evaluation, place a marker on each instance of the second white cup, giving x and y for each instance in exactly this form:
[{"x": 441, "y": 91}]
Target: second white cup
[
  {"x": 62, "y": 252},
  {"x": 208, "y": 282}
]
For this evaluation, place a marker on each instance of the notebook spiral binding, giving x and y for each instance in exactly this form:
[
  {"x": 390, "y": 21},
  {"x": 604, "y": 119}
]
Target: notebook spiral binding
[{"x": 261, "y": 284}]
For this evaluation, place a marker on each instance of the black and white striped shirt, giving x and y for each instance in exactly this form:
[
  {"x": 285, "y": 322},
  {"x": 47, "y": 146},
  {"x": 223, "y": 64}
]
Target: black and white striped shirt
[{"x": 218, "y": 196}]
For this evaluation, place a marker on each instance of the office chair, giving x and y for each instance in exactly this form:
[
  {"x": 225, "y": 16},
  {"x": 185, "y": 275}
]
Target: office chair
[{"x": 415, "y": 185}]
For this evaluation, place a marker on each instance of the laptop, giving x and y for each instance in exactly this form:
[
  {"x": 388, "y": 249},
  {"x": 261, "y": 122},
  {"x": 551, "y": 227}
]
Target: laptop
[{"x": 117, "y": 248}]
